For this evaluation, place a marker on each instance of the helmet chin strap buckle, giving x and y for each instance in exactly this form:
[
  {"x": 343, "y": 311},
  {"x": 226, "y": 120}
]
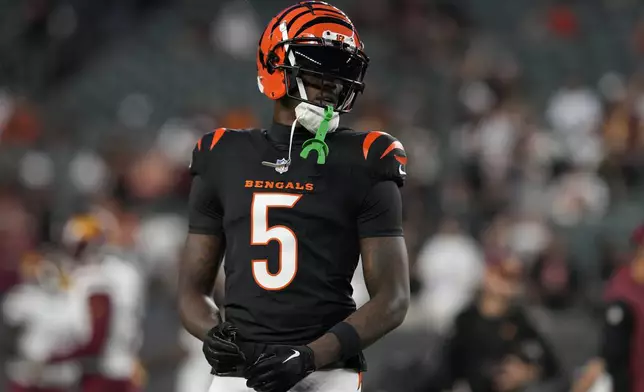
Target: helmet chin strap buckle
[{"x": 317, "y": 143}]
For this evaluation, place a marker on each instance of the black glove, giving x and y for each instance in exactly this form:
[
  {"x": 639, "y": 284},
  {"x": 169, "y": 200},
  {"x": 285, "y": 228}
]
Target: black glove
[
  {"x": 220, "y": 350},
  {"x": 281, "y": 370}
]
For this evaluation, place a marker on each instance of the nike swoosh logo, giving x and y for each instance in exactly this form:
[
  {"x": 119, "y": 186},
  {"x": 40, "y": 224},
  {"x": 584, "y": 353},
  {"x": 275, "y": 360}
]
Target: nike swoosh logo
[
  {"x": 294, "y": 355},
  {"x": 401, "y": 171}
]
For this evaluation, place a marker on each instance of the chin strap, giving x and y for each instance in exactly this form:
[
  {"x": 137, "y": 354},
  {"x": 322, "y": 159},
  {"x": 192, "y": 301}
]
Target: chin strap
[
  {"x": 317, "y": 143},
  {"x": 290, "y": 147}
]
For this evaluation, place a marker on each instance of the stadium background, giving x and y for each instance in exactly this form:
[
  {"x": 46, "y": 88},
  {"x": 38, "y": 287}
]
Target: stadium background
[{"x": 523, "y": 121}]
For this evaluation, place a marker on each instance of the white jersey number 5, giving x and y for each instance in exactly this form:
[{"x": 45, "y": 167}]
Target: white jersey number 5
[{"x": 261, "y": 234}]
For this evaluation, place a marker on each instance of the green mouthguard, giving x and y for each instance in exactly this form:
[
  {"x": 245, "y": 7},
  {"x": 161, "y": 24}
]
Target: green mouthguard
[{"x": 317, "y": 143}]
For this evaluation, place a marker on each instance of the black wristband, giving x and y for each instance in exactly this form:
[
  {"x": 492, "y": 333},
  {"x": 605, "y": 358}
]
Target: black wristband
[{"x": 350, "y": 342}]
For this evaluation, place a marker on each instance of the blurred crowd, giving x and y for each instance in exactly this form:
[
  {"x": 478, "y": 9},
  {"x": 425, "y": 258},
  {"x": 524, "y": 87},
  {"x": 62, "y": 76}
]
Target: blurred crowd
[{"x": 524, "y": 124}]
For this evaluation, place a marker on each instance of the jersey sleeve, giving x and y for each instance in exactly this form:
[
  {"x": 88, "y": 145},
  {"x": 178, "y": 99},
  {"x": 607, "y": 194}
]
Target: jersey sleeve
[
  {"x": 381, "y": 212},
  {"x": 205, "y": 214},
  {"x": 385, "y": 156}
]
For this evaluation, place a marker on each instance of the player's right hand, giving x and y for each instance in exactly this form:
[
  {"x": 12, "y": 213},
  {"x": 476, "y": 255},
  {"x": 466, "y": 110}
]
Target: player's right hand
[{"x": 221, "y": 351}]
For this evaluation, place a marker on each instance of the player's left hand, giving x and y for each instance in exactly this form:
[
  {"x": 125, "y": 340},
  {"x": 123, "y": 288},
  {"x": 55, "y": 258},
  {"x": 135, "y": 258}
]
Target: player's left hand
[{"x": 280, "y": 371}]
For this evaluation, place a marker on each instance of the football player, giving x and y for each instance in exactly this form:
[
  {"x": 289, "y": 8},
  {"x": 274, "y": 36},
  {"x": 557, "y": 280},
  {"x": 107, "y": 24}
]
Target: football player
[
  {"x": 293, "y": 207},
  {"x": 621, "y": 354},
  {"x": 39, "y": 308},
  {"x": 106, "y": 300}
]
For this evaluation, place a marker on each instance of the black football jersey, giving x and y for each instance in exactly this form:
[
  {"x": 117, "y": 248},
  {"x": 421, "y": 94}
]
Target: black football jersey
[{"x": 292, "y": 237}]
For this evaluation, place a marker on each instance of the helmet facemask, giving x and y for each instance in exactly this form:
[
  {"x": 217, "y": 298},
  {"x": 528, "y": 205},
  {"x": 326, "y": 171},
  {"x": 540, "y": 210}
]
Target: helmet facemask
[{"x": 326, "y": 62}]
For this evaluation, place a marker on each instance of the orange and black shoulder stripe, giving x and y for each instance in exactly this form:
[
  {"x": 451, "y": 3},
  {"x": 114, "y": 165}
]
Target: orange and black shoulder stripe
[
  {"x": 394, "y": 147},
  {"x": 210, "y": 140}
]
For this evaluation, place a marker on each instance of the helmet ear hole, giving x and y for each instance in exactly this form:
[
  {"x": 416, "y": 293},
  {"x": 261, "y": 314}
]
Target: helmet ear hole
[{"x": 271, "y": 60}]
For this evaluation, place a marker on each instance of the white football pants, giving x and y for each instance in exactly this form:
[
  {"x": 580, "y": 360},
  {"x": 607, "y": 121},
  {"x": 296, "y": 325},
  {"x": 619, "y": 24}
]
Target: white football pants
[{"x": 335, "y": 380}]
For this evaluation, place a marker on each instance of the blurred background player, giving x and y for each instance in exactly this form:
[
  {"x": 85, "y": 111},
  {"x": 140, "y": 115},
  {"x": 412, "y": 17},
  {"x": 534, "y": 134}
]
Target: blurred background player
[
  {"x": 622, "y": 341},
  {"x": 450, "y": 266},
  {"x": 107, "y": 289},
  {"x": 493, "y": 345},
  {"x": 39, "y": 310}
]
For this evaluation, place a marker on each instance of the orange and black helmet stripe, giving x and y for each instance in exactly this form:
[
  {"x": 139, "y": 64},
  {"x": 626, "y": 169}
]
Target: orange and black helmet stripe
[
  {"x": 283, "y": 14},
  {"x": 322, "y": 10},
  {"x": 331, "y": 20},
  {"x": 311, "y": 8},
  {"x": 325, "y": 12},
  {"x": 303, "y": 21},
  {"x": 269, "y": 31},
  {"x": 315, "y": 12}
]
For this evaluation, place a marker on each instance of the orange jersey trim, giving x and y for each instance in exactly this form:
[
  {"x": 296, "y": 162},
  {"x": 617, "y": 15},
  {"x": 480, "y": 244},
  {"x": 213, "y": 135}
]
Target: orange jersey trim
[
  {"x": 371, "y": 138},
  {"x": 368, "y": 141},
  {"x": 219, "y": 132},
  {"x": 392, "y": 146},
  {"x": 401, "y": 160}
]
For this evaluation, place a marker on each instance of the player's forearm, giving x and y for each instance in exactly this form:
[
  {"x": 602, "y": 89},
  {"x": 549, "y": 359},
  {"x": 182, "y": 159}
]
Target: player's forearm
[
  {"x": 372, "y": 321},
  {"x": 198, "y": 315},
  {"x": 199, "y": 265},
  {"x": 379, "y": 316},
  {"x": 386, "y": 272}
]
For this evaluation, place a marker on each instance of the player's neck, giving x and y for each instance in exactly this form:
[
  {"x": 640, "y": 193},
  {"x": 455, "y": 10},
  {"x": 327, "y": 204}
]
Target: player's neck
[
  {"x": 280, "y": 131},
  {"x": 283, "y": 115}
]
